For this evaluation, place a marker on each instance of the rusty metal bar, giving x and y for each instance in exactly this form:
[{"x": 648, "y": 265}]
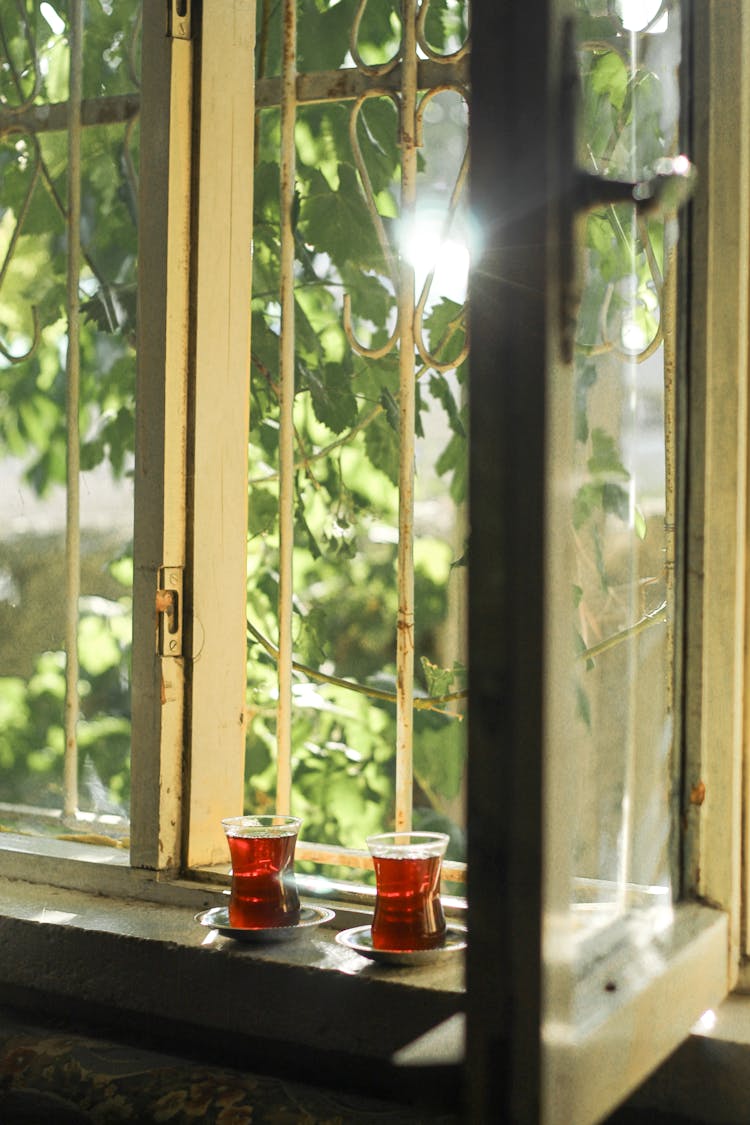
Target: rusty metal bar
[
  {"x": 286, "y": 411},
  {"x": 53, "y": 118},
  {"x": 73, "y": 467},
  {"x": 407, "y": 409},
  {"x": 338, "y": 856},
  {"x": 349, "y": 83}
]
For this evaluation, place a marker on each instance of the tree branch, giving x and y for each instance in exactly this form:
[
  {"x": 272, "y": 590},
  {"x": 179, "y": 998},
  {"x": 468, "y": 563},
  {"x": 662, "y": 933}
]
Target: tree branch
[{"x": 421, "y": 703}]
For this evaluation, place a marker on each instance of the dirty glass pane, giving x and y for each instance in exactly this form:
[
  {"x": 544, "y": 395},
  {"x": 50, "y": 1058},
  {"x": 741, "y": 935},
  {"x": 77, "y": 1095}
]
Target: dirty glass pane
[
  {"x": 52, "y": 353},
  {"x": 623, "y": 517}
]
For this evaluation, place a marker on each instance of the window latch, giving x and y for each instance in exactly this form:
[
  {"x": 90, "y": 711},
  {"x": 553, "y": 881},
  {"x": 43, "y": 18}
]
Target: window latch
[
  {"x": 179, "y": 17},
  {"x": 169, "y": 611}
]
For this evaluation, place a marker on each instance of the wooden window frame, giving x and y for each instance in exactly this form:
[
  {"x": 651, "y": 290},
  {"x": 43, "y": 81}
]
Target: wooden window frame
[{"x": 520, "y": 773}]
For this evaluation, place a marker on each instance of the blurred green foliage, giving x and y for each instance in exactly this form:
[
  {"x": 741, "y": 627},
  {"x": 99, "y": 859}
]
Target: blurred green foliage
[{"x": 33, "y": 261}]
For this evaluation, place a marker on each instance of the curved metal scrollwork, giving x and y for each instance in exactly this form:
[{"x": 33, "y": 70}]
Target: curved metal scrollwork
[
  {"x": 377, "y": 70},
  {"x": 388, "y": 254},
  {"x": 31, "y": 157},
  {"x": 430, "y": 357},
  {"x": 607, "y": 343},
  {"x": 26, "y": 101},
  {"x": 36, "y": 173},
  {"x": 12, "y": 357},
  {"x": 410, "y": 132},
  {"x": 429, "y": 51},
  {"x": 13, "y": 109}
]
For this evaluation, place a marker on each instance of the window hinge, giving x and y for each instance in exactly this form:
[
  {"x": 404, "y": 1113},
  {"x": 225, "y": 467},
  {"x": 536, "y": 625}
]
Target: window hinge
[
  {"x": 169, "y": 611},
  {"x": 179, "y": 26}
]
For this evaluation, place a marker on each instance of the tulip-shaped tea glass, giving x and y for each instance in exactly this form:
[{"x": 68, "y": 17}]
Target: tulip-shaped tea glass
[
  {"x": 408, "y": 912},
  {"x": 264, "y": 890}
]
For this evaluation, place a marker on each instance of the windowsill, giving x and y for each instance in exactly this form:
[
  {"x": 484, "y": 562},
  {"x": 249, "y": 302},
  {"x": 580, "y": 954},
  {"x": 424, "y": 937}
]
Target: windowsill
[
  {"x": 308, "y": 1008},
  {"x": 135, "y": 963}
]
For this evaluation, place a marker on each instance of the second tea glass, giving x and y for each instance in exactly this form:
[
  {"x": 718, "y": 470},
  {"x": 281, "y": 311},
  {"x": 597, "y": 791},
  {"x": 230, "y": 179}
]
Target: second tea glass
[{"x": 408, "y": 911}]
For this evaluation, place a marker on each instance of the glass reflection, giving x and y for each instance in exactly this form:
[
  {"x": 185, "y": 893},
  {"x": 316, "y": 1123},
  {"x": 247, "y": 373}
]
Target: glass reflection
[{"x": 623, "y": 506}]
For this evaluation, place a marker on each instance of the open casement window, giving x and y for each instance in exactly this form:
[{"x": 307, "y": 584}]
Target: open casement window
[{"x": 606, "y": 704}]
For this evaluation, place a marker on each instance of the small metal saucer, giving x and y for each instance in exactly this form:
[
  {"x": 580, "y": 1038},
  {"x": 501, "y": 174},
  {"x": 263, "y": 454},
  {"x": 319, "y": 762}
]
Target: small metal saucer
[
  {"x": 310, "y": 916},
  {"x": 360, "y": 940}
]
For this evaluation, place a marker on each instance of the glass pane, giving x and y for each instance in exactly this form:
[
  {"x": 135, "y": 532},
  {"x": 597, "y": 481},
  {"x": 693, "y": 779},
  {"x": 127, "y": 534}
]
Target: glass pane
[
  {"x": 350, "y": 243},
  {"x": 65, "y": 605},
  {"x": 623, "y": 518}
]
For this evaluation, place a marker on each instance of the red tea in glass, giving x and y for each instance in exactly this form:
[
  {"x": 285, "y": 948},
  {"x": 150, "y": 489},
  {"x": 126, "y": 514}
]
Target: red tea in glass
[
  {"x": 408, "y": 911},
  {"x": 264, "y": 890}
]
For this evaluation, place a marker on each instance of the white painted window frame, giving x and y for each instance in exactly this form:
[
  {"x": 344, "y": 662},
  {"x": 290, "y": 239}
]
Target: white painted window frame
[
  {"x": 218, "y": 491},
  {"x": 193, "y": 775}
]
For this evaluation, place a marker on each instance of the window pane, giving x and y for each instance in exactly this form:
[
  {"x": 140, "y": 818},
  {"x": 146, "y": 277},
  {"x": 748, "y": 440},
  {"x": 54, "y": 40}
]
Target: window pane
[
  {"x": 623, "y": 518},
  {"x": 68, "y": 102},
  {"x": 363, "y": 223}
]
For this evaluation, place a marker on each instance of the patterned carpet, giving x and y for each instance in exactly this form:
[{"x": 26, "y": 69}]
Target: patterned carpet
[{"x": 54, "y": 1077}]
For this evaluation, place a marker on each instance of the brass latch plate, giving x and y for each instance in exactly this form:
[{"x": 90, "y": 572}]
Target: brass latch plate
[{"x": 169, "y": 611}]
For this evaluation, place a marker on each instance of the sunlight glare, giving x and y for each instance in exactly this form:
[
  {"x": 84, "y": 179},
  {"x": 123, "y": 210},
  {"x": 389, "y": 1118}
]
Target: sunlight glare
[
  {"x": 53, "y": 917},
  {"x": 56, "y": 23},
  {"x": 637, "y": 14},
  {"x": 707, "y": 1022},
  {"x": 681, "y": 165},
  {"x": 426, "y": 249},
  {"x": 632, "y": 335}
]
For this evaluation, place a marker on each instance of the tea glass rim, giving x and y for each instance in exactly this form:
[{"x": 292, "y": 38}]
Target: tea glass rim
[
  {"x": 267, "y": 824},
  {"x": 426, "y": 843}
]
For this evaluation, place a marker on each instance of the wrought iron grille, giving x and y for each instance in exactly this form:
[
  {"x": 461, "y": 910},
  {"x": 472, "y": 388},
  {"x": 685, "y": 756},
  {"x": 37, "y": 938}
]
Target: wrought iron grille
[{"x": 409, "y": 79}]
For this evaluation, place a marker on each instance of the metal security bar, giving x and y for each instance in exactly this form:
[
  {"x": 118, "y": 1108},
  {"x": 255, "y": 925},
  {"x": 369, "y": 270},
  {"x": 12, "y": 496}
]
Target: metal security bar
[
  {"x": 73, "y": 395},
  {"x": 411, "y": 78},
  {"x": 407, "y": 410},
  {"x": 286, "y": 404}
]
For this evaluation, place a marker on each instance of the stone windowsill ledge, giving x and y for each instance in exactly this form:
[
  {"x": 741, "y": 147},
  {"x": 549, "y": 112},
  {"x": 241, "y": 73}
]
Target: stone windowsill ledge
[{"x": 309, "y": 1007}]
